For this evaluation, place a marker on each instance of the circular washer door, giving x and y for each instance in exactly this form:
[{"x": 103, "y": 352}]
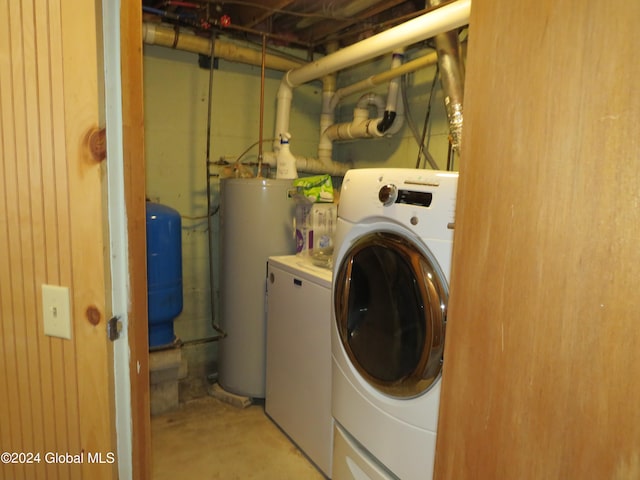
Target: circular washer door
[{"x": 390, "y": 303}]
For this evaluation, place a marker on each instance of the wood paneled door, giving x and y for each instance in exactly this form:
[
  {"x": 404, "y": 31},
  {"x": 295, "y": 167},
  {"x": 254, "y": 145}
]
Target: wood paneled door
[
  {"x": 542, "y": 356},
  {"x": 56, "y": 395}
]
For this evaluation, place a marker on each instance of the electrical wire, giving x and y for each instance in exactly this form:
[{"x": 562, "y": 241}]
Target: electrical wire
[
  {"x": 423, "y": 151},
  {"x": 262, "y": 79},
  {"x": 412, "y": 125},
  {"x": 210, "y": 213},
  {"x": 407, "y": 116}
]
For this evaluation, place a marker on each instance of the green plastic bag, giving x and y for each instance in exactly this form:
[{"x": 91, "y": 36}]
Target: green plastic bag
[{"x": 314, "y": 189}]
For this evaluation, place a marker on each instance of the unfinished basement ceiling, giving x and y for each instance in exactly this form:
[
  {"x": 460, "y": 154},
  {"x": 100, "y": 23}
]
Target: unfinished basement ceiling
[{"x": 306, "y": 24}]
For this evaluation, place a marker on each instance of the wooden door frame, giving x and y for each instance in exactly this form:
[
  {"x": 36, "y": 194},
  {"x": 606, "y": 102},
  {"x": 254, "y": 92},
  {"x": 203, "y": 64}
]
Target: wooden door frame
[{"x": 134, "y": 188}]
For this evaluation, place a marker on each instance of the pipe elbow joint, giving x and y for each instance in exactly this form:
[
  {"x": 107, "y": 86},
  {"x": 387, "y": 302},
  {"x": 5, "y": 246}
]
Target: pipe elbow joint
[
  {"x": 360, "y": 115},
  {"x": 285, "y": 91},
  {"x": 386, "y": 122}
]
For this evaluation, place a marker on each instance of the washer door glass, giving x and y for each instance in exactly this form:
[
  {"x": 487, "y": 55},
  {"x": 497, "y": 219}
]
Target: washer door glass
[{"x": 390, "y": 303}]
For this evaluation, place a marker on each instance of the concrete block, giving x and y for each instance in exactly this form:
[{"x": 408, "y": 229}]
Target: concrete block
[
  {"x": 163, "y": 359},
  {"x": 164, "y": 369}
]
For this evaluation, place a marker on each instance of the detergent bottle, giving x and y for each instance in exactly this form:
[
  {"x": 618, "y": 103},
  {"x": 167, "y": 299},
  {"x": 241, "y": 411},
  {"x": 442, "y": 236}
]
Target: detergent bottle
[{"x": 285, "y": 161}]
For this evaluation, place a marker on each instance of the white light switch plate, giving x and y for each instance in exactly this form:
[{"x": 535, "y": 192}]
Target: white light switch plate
[{"x": 56, "y": 311}]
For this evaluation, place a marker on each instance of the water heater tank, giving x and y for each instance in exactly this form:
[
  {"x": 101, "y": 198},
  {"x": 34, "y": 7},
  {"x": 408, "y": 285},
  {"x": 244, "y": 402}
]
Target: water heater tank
[
  {"x": 164, "y": 272},
  {"x": 256, "y": 222}
]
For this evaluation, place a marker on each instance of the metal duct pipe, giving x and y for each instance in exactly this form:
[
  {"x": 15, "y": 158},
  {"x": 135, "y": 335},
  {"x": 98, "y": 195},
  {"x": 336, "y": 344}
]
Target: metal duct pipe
[
  {"x": 153, "y": 34},
  {"x": 452, "y": 76},
  {"x": 325, "y": 146}
]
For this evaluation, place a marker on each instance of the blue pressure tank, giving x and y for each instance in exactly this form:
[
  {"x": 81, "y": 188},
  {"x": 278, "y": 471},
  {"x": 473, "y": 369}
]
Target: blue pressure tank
[{"x": 164, "y": 272}]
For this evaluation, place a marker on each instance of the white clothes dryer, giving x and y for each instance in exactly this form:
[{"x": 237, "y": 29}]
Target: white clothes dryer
[{"x": 392, "y": 258}]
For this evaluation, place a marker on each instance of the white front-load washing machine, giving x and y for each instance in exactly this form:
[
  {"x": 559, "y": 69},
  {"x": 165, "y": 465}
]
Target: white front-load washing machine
[{"x": 392, "y": 259}]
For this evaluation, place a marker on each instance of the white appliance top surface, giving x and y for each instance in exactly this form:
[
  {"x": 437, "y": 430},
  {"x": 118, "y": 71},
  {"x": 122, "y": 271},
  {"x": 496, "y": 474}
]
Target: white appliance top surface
[{"x": 304, "y": 267}]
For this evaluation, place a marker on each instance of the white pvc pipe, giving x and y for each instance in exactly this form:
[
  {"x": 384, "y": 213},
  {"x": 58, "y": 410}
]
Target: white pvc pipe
[
  {"x": 361, "y": 126},
  {"x": 394, "y": 84},
  {"x": 426, "y": 26},
  {"x": 303, "y": 164},
  {"x": 283, "y": 111},
  {"x": 325, "y": 147},
  {"x": 399, "y": 120},
  {"x": 392, "y": 97},
  {"x": 370, "y": 99},
  {"x": 420, "y": 28}
]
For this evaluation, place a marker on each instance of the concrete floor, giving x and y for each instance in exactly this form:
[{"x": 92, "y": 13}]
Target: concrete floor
[{"x": 206, "y": 439}]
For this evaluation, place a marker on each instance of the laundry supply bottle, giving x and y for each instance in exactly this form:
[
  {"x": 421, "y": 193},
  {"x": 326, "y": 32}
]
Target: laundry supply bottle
[{"x": 285, "y": 161}]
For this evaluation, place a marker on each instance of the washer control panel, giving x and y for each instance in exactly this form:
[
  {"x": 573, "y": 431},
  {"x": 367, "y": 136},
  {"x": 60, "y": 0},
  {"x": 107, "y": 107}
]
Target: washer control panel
[{"x": 390, "y": 194}]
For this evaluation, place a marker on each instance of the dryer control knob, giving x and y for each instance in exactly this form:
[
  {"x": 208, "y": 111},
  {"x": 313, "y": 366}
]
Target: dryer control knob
[{"x": 388, "y": 194}]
